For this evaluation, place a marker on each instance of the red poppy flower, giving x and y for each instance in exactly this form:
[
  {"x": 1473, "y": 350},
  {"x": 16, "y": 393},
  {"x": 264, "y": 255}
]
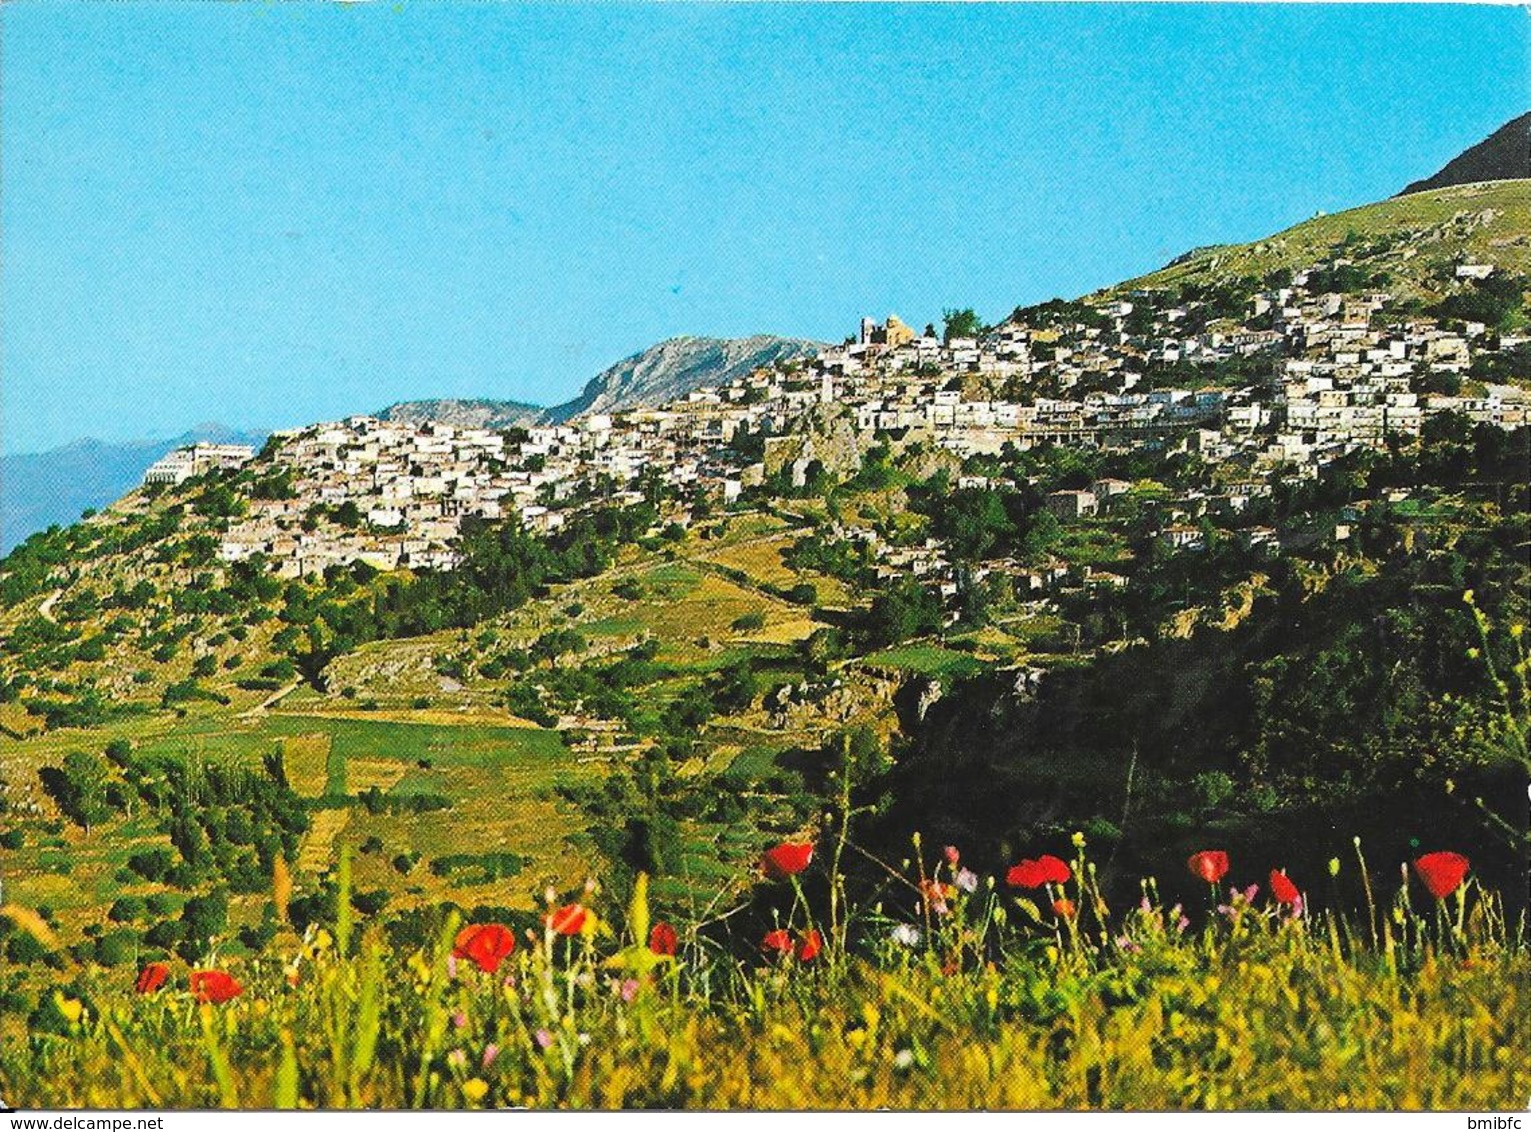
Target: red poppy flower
[
  {"x": 1210, "y": 864},
  {"x": 151, "y": 978},
  {"x": 1064, "y": 908},
  {"x": 1283, "y": 889},
  {"x": 1046, "y": 869},
  {"x": 1442, "y": 872},
  {"x": 215, "y": 986},
  {"x": 787, "y": 859},
  {"x": 1055, "y": 868},
  {"x": 663, "y": 940},
  {"x": 810, "y": 945},
  {"x": 779, "y": 941},
  {"x": 485, "y": 945},
  {"x": 568, "y": 920},
  {"x": 1026, "y": 874}
]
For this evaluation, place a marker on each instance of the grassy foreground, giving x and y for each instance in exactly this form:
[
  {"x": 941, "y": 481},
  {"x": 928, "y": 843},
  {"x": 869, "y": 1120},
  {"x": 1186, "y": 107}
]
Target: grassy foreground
[{"x": 1027, "y": 996}]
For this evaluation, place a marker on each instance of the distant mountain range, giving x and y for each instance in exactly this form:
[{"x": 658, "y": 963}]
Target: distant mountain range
[
  {"x": 661, "y": 373},
  {"x": 1505, "y": 155},
  {"x": 40, "y": 489}
]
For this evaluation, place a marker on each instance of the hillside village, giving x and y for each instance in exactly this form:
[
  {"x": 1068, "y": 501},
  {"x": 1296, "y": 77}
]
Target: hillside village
[
  {"x": 1081, "y": 476},
  {"x": 1311, "y": 366}
]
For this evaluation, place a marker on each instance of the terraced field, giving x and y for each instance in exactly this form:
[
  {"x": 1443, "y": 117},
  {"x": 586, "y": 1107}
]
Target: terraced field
[
  {"x": 465, "y": 801},
  {"x": 499, "y": 780}
]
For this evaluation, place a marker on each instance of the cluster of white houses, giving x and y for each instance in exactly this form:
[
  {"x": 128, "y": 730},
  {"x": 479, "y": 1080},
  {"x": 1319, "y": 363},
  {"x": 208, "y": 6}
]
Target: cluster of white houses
[
  {"x": 182, "y": 464},
  {"x": 1341, "y": 374}
]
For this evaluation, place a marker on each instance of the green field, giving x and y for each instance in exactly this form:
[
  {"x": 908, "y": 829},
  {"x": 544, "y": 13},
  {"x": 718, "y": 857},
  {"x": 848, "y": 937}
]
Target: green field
[
  {"x": 927, "y": 660},
  {"x": 391, "y": 721},
  {"x": 500, "y": 781}
]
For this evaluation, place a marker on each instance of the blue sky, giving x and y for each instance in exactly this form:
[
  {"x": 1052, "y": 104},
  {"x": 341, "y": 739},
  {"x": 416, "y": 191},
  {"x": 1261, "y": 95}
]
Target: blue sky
[{"x": 267, "y": 214}]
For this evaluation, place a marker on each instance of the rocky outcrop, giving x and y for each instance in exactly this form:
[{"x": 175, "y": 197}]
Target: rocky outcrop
[
  {"x": 676, "y": 367},
  {"x": 662, "y": 373}
]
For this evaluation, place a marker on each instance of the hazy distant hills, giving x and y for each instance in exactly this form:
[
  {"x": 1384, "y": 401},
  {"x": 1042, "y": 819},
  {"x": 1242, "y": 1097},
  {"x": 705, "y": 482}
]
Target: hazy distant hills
[
  {"x": 1504, "y": 155},
  {"x": 661, "y": 373},
  {"x": 40, "y": 489}
]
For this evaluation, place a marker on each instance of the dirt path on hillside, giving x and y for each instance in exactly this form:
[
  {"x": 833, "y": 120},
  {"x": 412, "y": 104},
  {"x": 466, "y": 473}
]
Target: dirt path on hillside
[
  {"x": 45, "y": 610},
  {"x": 269, "y": 701}
]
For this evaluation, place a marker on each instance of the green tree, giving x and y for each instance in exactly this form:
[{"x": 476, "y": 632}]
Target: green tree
[
  {"x": 907, "y": 610},
  {"x": 749, "y": 622},
  {"x": 80, "y": 788},
  {"x": 204, "y": 917},
  {"x": 733, "y": 689},
  {"x": 963, "y": 323}
]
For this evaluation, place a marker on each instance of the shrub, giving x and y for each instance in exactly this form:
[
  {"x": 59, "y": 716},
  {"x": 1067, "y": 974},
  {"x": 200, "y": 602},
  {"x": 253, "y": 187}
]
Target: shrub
[
  {"x": 23, "y": 948},
  {"x": 479, "y": 868},
  {"x": 165, "y": 934},
  {"x": 257, "y": 937},
  {"x": 116, "y": 948},
  {"x": 370, "y": 903},
  {"x": 205, "y": 916},
  {"x": 162, "y": 903},
  {"x": 126, "y": 909}
]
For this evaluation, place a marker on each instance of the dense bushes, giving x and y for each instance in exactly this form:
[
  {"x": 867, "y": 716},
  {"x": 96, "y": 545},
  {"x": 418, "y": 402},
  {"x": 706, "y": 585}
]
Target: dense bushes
[{"x": 225, "y": 823}]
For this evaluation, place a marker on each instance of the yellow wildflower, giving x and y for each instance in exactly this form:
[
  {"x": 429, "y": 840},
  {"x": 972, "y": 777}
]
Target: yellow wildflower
[{"x": 71, "y": 1008}]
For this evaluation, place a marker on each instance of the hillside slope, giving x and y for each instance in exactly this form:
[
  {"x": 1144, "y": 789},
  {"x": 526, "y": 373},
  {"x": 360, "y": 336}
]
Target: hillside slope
[
  {"x": 481, "y": 666},
  {"x": 1503, "y": 155},
  {"x": 1412, "y": 236}
]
